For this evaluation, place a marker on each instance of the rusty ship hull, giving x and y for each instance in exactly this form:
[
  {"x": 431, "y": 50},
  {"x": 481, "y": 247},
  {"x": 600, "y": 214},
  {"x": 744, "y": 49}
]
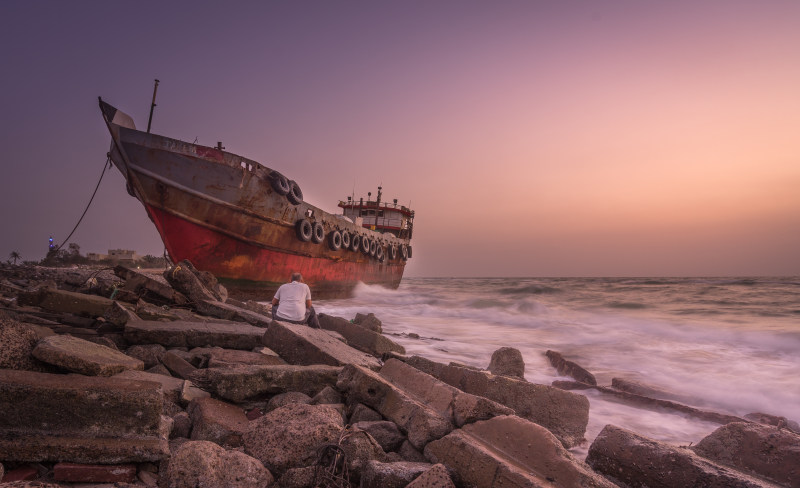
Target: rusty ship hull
[{"x": 223, "y": 213}]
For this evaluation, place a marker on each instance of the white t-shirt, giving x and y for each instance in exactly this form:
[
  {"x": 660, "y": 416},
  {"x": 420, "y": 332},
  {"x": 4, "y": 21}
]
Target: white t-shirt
[{"x": 292, "y": 300}]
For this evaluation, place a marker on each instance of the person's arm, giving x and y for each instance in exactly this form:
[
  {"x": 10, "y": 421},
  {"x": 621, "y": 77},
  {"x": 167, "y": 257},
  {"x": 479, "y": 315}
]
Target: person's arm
[
  {"x": 308, "y": 304},
  {"x": 275, "y": 302}
]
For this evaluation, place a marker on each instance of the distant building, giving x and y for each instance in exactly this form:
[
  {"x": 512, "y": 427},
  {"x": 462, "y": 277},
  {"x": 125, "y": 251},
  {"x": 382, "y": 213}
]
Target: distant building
[{"x": 115, "y": 255}]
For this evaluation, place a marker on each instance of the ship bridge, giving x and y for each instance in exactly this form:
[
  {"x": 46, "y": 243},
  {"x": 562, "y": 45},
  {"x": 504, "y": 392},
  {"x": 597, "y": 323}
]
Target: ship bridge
[{"x": 380, "y": 216}]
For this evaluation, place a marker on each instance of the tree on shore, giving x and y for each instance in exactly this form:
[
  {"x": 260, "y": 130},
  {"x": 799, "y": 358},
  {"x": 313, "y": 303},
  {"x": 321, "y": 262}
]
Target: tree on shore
[{"x": 15, "y": 256}]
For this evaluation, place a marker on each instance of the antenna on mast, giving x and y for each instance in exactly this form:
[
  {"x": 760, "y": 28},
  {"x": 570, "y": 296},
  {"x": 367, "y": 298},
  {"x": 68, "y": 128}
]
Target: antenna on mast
[{"x": 152, "y": 106}]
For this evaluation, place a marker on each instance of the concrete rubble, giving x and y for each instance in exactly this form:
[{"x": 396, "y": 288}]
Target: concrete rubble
[{"x": 132, "y": 379}]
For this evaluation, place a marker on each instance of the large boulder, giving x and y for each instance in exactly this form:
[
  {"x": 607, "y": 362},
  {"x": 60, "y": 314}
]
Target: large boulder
[
  {"x": 18, "y": 341},
  {"x": 360, "y": 337},
  {"x": 289, "y": 436},
  {"x": 635, "y": 460},
  {"x": 369, "y": 321},
  {"x": 300, "y": 344},
  {"x": 238, "y": 383},
  {"x": 563, "y": 413},
  {"x": 179, "y": 333},
  {"x": 149, "y": 288},
  {"x": 758, "y": 449},
  {"x": 507, "y": 361},
  {"x": 205, "y": 464},
  {"x": 80, "y": 356},
  {"x": 510, "y": 451}
]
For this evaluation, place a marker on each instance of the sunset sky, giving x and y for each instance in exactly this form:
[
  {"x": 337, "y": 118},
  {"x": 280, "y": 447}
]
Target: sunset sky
[{"x": 532, "y": 138}]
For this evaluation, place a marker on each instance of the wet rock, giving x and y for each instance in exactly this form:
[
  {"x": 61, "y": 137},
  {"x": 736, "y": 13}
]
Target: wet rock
[
  {"x": 288, "y": 437},
  {"x": 217, "y": 421},
  {"x": 302, "y": 345},
  {"x": 777, "y": 421},
  {"x": 386, "y": 433},
  {"x": 82, "y": 419},
  {"x": 391, "y": 475},
  {"x": 757, "y": 449},
  {"x": 150, "y": 288},
  {"x": 507, "y": 361},
  {"x": 435, "y": 477},
  {"x": 80, "y": 356},
  {"x": 205, "y": 464},
  {"x": 638, "y": 388},
  {"x": 282, "y": 399},
  {"x": 569, "y": 368},
  {"x": 359, "y": 337},
  {"x": 627, "y": 457},
  {"x": 194, "y": 284},
  {"x": 179, "y": 333},
  {"x": 327, "y": 395},
  {"x": 149, "y": 354},
  {"x": 563, "y": 413},
  {"x": 369, "y": 321},
  {"x": 241, "y": 382},
  {"x": 510, "y": 451}
]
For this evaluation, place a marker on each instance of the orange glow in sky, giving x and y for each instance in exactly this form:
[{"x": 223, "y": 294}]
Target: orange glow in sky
[{"x": 569, "y": 138}]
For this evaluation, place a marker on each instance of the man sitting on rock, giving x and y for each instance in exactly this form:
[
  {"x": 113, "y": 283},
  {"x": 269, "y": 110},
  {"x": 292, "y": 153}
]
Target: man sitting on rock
[{"x": 292, "y": 303}]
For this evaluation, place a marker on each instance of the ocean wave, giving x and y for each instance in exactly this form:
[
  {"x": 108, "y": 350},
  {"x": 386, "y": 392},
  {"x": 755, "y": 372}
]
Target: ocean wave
[
  {"x": 529, "y": 290},
  {"x": 626, "y": 305}
]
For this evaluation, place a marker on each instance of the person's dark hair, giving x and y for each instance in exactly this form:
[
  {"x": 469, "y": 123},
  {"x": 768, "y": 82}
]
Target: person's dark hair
[{"x": 297, "y": 277}]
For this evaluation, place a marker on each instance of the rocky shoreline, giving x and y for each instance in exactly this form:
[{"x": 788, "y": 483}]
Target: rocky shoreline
[{"x": 118, "y": 378}]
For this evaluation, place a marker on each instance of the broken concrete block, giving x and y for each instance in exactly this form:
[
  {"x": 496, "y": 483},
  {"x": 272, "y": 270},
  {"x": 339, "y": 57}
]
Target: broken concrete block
[
  {"x": 150, "y": 354},
  {"x": 177, "y": 365},
  {"x": 563, "y": 413},
  {"x": 203, "y": 463},
  {"x": 635, "y": 460},
  {"x": 81, "y": 419},
  {"x": 216, "y": 421},
  {"x": 221, "y": 310},
  {"x": 194, "y": 334},
  {"x": 241, "y": 382},
  {"x": 171, "y": 387},
  {"x": 94, "y": 473},
  {"x": 299, "y": 344},
  {"x": 150, "y": 288},
  {"x": 386, "y": 433},
  {"x": 369, "y": 321},
  {"x": 359, "y": 337},
  {"x": 196, "y": 285},
  {"x": 391, "y": 475},
  {"x": 435, "y": 477},
  {"x": 510, "y": 451},
  {"x": 214, "y": 357},
  {"x": 77, "y": 303},
  {"x": 190, "y": 392},
  {"x": 569, "y": 368},
  {"x": 757, "y": 449},
  {"x": 80, "y": 356},
  {"x": 420, "y": 422}
]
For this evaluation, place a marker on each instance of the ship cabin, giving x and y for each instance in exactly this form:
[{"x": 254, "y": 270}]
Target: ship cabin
[{"x": 380, "y": 216}]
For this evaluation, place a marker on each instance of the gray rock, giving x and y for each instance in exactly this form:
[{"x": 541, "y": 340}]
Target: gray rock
[
  {"x": 150, "y": 354},
  {"x": 149, "y": 288},
  {"x": 386, "y": 433},
  {"x": 18, "y": 341},
  {"x": 177, "y": 365},
  {"x": 359, "y": 337},
  {"x": 757, "y": 449},
  {"x": 510, "y": 451},
  {"x": 231, "y": 335},
  {"x": 227, "y": 311},
  {"x": 299, "y": 344},
  {"x": 507, "y": 361},
  {"x": 436, "y": 476},
  {"x": 205, "y": 464},
  {"x": 369, "y": 321},
  {"x": 410, "y": 453},
  {"x": 570, "y": 368},
  {"x": 170, "y": 386},
  {"x": 217, "y": 421},
  {"x": 391, "y": 475},
  {"x": 635, "y": 460},
  {"x": 241, "y": 382},
  {"x": 85, "y": 357},
  {"x": 196, "y": 285},
  {"x": 362, "y": 413},
  {"x": 288, "y": 437},
  {"x": 282, "y": 399},
  {"x": 327, "y": 395},
  {"x": 181, "y": 425}
]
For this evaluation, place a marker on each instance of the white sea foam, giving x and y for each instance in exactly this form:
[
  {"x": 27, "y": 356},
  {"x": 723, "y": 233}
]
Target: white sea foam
[{"x": 739, "y": 359}]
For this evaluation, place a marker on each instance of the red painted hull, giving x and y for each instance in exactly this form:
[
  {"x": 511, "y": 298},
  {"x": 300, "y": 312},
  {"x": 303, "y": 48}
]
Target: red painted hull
[
  {"x": 224, "y": 213},
  {"x": 257, "y": 272}
]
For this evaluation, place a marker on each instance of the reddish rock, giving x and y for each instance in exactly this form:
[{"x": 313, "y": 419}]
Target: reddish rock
[
  {"x": 282, "y": 399},
  {"x": 204, "y": 464},
  {"x": 391, "y": 475},
  {"x": 177, "y": 365},
  {"x": 435, "y": 477},
  {"x": 94, "y": 473},
  {"x": 149, "y": 354},
  {"x": 80, "y": 356},
  {"x": 24, "y": 473},
  {"x": 289, "y": 437},
  {"x": 217, "y": 421}
]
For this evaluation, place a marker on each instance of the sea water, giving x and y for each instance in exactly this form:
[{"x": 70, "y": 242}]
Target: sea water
[{"x": 731, "y": 345}]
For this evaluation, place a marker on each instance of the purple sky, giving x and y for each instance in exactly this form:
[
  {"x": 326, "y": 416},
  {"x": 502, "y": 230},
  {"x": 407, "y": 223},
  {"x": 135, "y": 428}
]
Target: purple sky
[{"x": 569, "y": 138}]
